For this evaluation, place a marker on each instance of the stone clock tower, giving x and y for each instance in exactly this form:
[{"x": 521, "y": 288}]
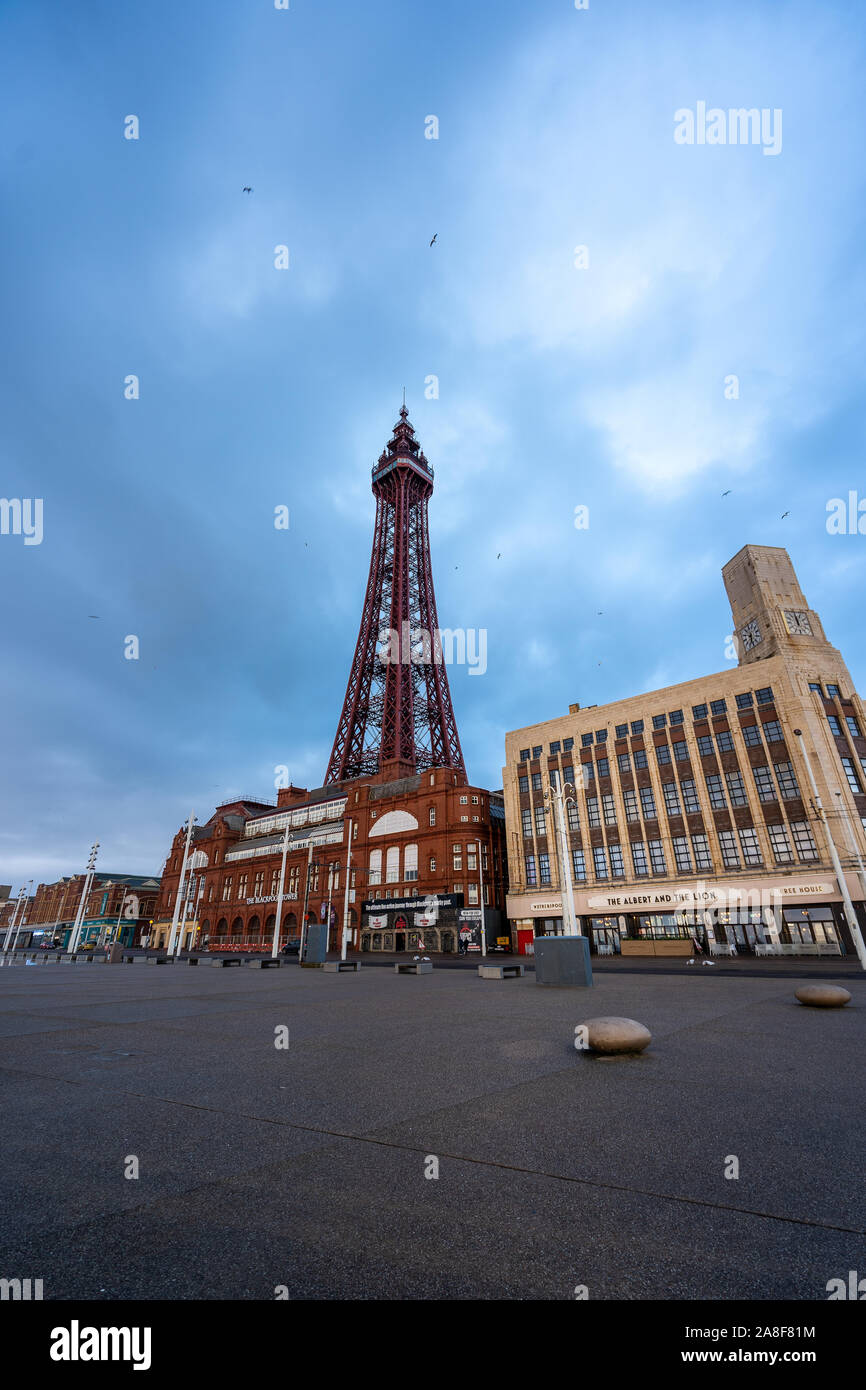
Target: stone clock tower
[{"x": 771, "y": 615}]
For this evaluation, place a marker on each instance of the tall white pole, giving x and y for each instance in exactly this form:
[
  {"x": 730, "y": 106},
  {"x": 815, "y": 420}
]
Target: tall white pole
[
  {"x": 275, "y": 948},
  {"x": 483, "y": 914},
  {"x": 22, "y": 921},
  {"x": 188, "y": 911},
  {"x": 855, "y": 850},
  {"x": 79, "y": 916},
  {"x": 180, "y": 886},
  {"x": 17, "y": 909},
  {"x": 306, "y": 901},
  {"x": 850, "y": 914},
  {"x": 345, "y": 896}
]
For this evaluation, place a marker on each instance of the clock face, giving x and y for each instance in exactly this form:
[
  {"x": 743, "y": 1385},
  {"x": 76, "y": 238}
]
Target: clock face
[
  {"x": 798, "y": 622},
  {"x": 751, "y": 635}
]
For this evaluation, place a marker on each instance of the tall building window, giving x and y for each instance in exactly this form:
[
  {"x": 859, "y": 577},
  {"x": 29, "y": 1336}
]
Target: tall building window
[
  {"x": 568, "y": 773},
  {"x": 765, "y": 696},
  {"x": 637, "y": 726},
  {"x": 554, "y": 749},
  {"x": 850, "y": 773},
  {"x": 718, "y": 706},
  {"x": 456, "y": 859},
  {"x": 751, "y": 848},
  {"x": 433, "y": 812},
  {"x": 578, "y": 865},
  {"x": 736, "y": 789},
  {"x": 524, "y": 755},
  {"x": 410, "y": 866},
  {"x": 648, "y": 804},
  {"x": 227, "y": 889},
  {"x": 716, "y": 792},
  {"x": 681, "y": 854},
  {"x": 526, "y": 818},
  {"x": 473, "y": 894},
  {"x": 853, "y": 726},
  {"x": 833, "y": 692},
  {"x": 764, "y": 783},
  {"x": 573, "y": 815},
  {"x": 472, "y": 858},
  {"x": 621, "y": 730},
  {"x": 587, "y": 773},
  {"x": 531, "y": 880},
  {"x": 657, "y": 856},
  {"x": 624, "y": 762},
  {"x": 536, "y": 781},
  {"x": 804, "y": 840},
  {"x": 699, "y": 712},
  {"x": 780, "y": 844},
  {"x": 676, "y": 716},
  {"x": 639, "y": 859},
  {"x": 690, "y": 796},
  {"x": 259, "y": 884},
  {"x": 659, "y": 721},
  {"x": 813, "y": 685},
  {"x": 728, "y": 846},
  {"x": 773, "y": 731},
  {"x": 392, "y": 864},
  {"x": 672, "y": 801},
  {"x": 663, "y": 755},
  {"x": 432, "y": 863},
  {"x": 701, "y": 850},
  {"x": 603, "y": 767},
  {"x": 617, "y": 866},
  {"x": 242, "y": 886},
  {"x": 631, "y": 811},
  {"x": 536, "y": 752},
  {"x": 725, "y": 741},
  {"x": 681, "y": 751},
  {"x": 553, "y": 774},
  {"x": 585, "y": 740},
  {"x": 705, "y": 746},
  {"x": 599, "y": 859},
  {"x": 592, "y": 811},
  {"x": 540, "y": 826},
  {"x": 787, "y": 781},
  {"x": 544, "y": 867},
  {"x": 640, "y": 758},
  {"x": 751, "y": 735},
  {"x": 745, "y": 700},
  {"x": 567, "y": 745},
  {"x": 601, "y": 735},
  {"x": 609, "y": 810},
  {"x": 523, "y": 784}
]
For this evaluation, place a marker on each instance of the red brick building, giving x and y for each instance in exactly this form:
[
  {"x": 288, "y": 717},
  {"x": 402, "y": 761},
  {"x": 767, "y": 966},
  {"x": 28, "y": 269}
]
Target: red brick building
[
  {"x": 424, "y": 837},
  {"x": 123, "y": 904}
]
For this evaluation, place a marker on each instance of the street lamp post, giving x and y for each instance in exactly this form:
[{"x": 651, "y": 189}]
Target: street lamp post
[
  {"x": 850, "y": 915},
  {"x": 275, "y": 947},
  {"x": 79, "y": 916},
  {"x": 18, "y": 911},
  {"x": 345, "y": 895},
  {"x": 483, "y": 915}
]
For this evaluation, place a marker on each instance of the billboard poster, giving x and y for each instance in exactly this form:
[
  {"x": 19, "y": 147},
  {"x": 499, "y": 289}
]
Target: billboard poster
[
  {"x": 469, "y": 933},
  {"x": 377, "y": 923}
]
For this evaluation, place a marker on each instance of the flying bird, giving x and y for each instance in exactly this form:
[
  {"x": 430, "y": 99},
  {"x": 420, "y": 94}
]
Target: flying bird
[
  {"x": 784, "y": 514},
  {"x": 727, "y": 494},
  {"x": 247, "y": 190},
  {"x": 499, "y": 556},
  {"x": 436, "y": 238},
  {"x": 93, "y": 615}
]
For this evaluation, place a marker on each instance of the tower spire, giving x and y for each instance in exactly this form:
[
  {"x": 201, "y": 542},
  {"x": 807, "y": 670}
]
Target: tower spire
[{"x": 397, "y": 717}]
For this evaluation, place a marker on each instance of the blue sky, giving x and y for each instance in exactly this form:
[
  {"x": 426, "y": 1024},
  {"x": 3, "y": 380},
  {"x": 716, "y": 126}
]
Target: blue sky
[{"x": 559, "y": 386}]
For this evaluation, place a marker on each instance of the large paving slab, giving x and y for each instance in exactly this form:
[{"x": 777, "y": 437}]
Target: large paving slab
[{"x": 305, "y": 1167}]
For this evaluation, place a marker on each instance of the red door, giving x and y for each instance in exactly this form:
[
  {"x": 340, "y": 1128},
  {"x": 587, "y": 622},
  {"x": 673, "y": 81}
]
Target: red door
[{"x": 525, "y": 937}]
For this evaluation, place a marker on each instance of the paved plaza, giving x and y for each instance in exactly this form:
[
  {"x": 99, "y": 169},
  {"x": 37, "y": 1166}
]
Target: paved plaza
[{"x": 304, "y": 1167}]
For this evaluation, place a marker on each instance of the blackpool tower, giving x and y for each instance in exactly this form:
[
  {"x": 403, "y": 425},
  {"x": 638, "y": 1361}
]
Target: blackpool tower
[{"x": 397, "y": 717}]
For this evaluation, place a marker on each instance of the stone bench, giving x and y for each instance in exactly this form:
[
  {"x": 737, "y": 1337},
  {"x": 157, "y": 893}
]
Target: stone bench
[
  {"x": 140, "y": 960},
  {"x": 513, "y": 970},
  {"x": 414, "y": 967},
  {"x": 336, "y": 967},
  {"x": 227, "y": 960},
  {"x": 192, "y": 960},
  {"x": 268, "y": 964},
  {"x": 159, "y": 960},
  {"x": 67, "y": 959}
]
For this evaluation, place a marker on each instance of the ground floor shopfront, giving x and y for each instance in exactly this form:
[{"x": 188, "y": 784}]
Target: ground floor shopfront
[
  {"x": 761, "y": 917},
  {"x": 435, "y": 924}
]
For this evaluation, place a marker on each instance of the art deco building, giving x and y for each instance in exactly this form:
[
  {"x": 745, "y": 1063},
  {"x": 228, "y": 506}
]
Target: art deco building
[{"x": 694, "y": 813}]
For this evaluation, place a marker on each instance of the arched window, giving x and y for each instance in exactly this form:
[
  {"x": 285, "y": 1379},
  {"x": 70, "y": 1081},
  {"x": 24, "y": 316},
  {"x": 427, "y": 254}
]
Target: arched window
[
  {"x": 375, "y": 866},
  {"x": 410, "y": 863},
  {"x": 254, "y": 927},
  {"x": 392, "y": 864},
  {"x": 237, "y": 927}
]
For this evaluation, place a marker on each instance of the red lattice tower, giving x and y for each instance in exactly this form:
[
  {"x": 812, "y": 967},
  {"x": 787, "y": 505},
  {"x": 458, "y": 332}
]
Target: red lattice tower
[{"x": 397, "y": 716}]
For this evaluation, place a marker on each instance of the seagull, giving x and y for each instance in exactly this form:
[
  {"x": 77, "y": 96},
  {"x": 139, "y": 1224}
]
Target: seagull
[
  {"x": 436, "y": 238},
  {"x": 499, "y": 556},
  {"x": 94, "y": 615},
  {"x": 247, "y": 190},
  {"x": 600, "y": 613},
  {"x": 727, "y": 494},
  {"x": 784, "y": 514}
]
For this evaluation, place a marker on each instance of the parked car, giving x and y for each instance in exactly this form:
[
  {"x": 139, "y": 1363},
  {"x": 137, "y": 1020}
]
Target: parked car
[{"x": 292, "y": 947}]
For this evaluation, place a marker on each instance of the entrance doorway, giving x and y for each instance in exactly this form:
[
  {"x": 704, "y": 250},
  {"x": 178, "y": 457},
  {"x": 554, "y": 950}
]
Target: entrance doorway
[{"x": 400, "y": 928}]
